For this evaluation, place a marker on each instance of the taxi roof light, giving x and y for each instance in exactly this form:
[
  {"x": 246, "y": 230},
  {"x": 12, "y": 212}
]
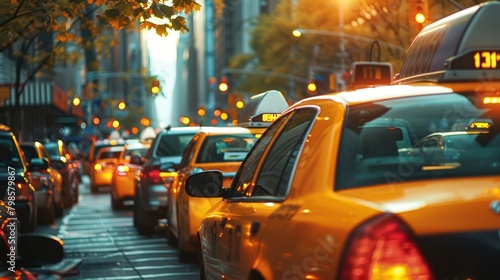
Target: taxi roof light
[{"x": 470, "y": 58}]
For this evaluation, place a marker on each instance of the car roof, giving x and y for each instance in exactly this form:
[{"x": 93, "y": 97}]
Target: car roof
[
  {"x": 223, "y": 130},
  {"x": 378, "y": 93},
  {"x": 133, "y": 146},
  {"x": 180, "y": 129},
  {"x": 110, "y": 149}
]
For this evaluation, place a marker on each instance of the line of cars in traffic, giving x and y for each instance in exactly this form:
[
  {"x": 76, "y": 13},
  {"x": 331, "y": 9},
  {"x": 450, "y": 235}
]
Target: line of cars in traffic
[
  {"x": 35, "y": 184},
  {"x": 43, "y": 176},
  {"x": 381, "y": 182}
]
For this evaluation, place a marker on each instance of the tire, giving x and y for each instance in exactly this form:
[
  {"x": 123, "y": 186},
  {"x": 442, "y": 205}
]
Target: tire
[
  {"x": 94, "y": 188},
  {"x": 145, "y": 229},
  {"x": 144, "y": 221},
  {"x": 58, "y": 209},
  {"x": 171, "y": 239},
  {"x": 75, "y": 189},
  {"x": 116, "y": 204},
  {"x": 200, "y": 261},
  {"x": 184, "y": 256},
  {"x": 135, "y": 212},
  {"x": 47, "y": 215},
  {"x": 67, "y": 196}
]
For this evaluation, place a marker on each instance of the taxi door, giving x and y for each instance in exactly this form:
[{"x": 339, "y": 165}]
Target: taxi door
[{"x": 258, "y": 192}]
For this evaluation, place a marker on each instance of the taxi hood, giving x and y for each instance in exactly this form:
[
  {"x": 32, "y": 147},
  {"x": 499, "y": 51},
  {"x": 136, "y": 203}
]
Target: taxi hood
[{"x": 433, "y": 206}]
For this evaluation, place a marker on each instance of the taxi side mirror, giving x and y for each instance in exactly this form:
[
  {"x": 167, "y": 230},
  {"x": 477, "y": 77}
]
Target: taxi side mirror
[
  {"x": 33, "y": 249},
  {"x": 205, "y": 184}
]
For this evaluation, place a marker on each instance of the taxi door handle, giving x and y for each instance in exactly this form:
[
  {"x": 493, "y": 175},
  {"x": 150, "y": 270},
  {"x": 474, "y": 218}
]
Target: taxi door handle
[
  {"x": 223, "y": 222},
  {"x": 254, "y": 228}
]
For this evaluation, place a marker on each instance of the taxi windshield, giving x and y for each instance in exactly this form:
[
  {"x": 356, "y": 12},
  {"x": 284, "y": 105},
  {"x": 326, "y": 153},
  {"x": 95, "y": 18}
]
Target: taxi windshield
[{"x": 419, "y": 137}]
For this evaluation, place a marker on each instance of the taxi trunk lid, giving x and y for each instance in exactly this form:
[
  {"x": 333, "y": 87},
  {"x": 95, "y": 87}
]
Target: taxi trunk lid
[{"x": 455, "y": 221}]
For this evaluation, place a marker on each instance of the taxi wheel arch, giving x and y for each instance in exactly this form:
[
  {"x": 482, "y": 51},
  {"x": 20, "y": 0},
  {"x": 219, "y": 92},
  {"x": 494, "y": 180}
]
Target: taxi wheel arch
[{"x": 255, "y": 275}]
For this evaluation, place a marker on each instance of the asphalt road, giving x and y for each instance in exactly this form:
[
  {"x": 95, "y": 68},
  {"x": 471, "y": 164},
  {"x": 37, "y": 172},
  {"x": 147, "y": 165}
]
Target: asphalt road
[{"x": 110, "y": 246}]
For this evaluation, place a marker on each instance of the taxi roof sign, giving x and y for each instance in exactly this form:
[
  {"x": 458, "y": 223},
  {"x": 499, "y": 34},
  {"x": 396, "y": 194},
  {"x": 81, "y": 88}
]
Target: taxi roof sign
[
  {"x": 370, "y": 73},
  {"x": 462, "y": 46},
  {"x": 262, "y": 109}
]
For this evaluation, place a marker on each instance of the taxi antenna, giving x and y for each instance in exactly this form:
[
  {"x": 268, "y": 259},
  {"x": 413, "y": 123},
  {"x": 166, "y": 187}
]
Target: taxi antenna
[{"x": 371, "y": 50}]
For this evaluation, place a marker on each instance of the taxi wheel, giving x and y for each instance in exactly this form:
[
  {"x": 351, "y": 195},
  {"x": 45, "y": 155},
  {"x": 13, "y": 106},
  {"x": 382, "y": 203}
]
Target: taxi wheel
[
  {"x": 58, "y": 209},
  {"x": 184, "y": 256},
  {"x": 47, "y": 215},
  {"x": 116, "y": 203},
  {"x": 67, "y": 199},
  {"x": 141, "y": 219},
  {"x": 75, "y": 190},
  {"x": 93, "y": 188},
  {"x": 135, "y": 212},
  {"x": 171, "y": 239},
  {"x": 200, "y": 261}
]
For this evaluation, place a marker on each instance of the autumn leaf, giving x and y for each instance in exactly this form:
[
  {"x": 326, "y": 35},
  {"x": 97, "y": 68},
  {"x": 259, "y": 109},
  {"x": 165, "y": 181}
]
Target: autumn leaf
[
  {"x": 162, "y": 30},
  {"x": 112, "y": 13},
  {"x": 192, "y": 7},
  {"x": 148, "y": 25},
  {"x": 119, "y": 22}
]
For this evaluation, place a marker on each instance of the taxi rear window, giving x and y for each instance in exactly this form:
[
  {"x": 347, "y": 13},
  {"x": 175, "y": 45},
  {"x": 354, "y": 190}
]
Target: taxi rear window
[{"x": 417, "y": 138}]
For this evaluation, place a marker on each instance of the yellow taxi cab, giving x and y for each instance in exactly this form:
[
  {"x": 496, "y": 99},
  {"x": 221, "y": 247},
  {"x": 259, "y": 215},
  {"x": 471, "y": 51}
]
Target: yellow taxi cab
[
  {"x": 334, "y": 189},
  {"x": 102, "y": 170},
  {"x": 212, "y": 148},
  {"x": 130, "y": 159}
]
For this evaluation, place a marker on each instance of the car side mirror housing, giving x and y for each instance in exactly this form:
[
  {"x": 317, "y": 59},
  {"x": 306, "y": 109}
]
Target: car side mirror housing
[
  {"x": 33, "y": 249},
  {"x": 38, "y": 164},
  {"x": 205, "y": 184}
]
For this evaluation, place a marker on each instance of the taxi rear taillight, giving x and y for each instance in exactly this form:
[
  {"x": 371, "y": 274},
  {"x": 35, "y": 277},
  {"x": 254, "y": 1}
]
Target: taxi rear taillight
[
  {"x": 154, "y": 176},
  {"x": 384, "y": 249},
  {"x": 122, "y": 169}
]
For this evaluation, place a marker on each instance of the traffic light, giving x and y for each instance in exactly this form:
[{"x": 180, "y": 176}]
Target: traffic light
[
  {"x": 155, "y": 86},
  {"x": 201, "y": 111},
  {"x": 311, "y": 87},
  {"x": 223, "y": 85},
  {"x": 418, "y": 11}
]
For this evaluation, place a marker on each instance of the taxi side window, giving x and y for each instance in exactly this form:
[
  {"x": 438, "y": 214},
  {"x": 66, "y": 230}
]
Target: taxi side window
[
  {"x": 188, "y": 153},
  {"x": 276, "y": 173},
  {"x": 242, "y": 180}
]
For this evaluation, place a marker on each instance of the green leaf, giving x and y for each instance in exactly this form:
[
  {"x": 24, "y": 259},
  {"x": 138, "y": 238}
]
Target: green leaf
[
  {"x": 166, "y": 10},
  {"x": 157, "y": 11}
]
